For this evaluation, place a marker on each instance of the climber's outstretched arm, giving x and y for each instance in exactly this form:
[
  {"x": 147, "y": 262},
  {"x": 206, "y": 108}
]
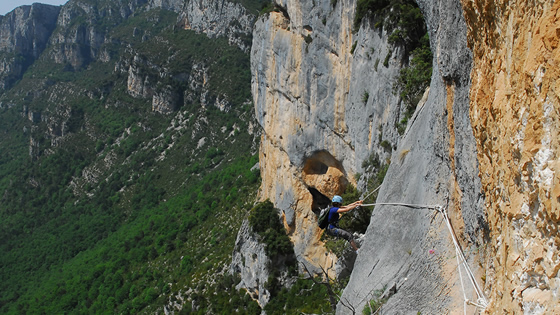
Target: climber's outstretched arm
[{"x": 350, "y": 206}]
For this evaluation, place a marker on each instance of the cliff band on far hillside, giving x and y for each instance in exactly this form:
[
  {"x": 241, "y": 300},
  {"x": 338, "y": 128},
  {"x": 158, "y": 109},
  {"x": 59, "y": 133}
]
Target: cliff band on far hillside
[{"x": 24, "y": 34}]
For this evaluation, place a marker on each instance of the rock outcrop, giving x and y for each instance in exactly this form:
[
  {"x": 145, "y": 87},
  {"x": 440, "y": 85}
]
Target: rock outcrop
[
  {"x": 213, "y": 18},
  {"x": 251, "y": 263},
  {"x": 308, "y": 86},
  {"x": 78, "y": 44},
  {"x": 219, "y": 18},
  {"x": 482, "y": 145},
  {"x": 515, "y": 102},
  {"x": 24, "y": 33}
]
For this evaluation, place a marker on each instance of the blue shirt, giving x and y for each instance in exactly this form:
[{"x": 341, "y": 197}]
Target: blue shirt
[{"x": 333, "y": 217}]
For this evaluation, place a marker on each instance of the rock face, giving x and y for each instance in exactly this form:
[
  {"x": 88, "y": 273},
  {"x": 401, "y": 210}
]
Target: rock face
[
  {"x": 219, "y": 18},
  {"x": 250, "y": 262},
  {"x": 78, "y": 44},
  {"x": 24, "y": 33},
  {"x": 515, "y": 114},
  {"x": 308, "y": 88},
  {"x": 482, "y": 146},
  {"x": 434, "y": 164},
  {"x": 256, "y": 268},
  {"x": 213, "y": 18}
]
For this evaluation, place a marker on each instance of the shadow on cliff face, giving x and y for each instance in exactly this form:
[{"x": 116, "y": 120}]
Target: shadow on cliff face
[
  {"x": 320, "y": 201},
  {"x": 324, "y": 176}
]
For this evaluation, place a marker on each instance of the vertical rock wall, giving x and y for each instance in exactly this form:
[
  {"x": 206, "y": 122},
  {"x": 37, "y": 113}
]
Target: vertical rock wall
[
  {"x": 515, "y": 104},
  {"x": 409, "y": 249},
  {"x": 310, "y": 75},
  {"x": 24, "y": 34},
  {"x": 78, "y": 44},
  {"x": 309, "y": 86},
  {"x": 251, "y": 263},
  {"x": 219, "y": 18}
]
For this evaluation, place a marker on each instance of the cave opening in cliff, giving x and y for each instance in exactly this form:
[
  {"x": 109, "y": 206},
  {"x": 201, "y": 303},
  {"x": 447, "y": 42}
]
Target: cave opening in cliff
[
  {"x": 320, "y": 162},
  {"x": 315, "y": 167},
  {"x": 320, "y": 201},
  {"x": 324, "y": 177}
]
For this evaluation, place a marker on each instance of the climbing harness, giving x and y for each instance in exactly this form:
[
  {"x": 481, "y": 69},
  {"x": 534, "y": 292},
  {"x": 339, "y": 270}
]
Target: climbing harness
[{"x": 481, "y": 301}]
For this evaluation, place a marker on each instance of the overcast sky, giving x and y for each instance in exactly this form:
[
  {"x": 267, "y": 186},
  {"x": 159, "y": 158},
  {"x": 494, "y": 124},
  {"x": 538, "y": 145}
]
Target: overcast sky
[{"x": 8, "y": 5}]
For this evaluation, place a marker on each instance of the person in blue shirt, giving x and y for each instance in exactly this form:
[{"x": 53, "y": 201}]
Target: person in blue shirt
[{"x": 332, "y": 228}]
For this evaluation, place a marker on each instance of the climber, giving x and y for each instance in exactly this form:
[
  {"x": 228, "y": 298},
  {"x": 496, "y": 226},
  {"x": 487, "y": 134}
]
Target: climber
[{"x": 332, "y": 228}]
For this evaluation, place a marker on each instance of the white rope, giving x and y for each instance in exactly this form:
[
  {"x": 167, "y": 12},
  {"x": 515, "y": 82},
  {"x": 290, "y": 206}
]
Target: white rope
[
  {"x": 457, "y": 254},
  {"x": 465, "y": 300},
  {"x": 461, "y": 260},
  {"x": 436, "y": 207},
  {"x": 481, "y": 302},
  {"x": 376, "y": 189}
]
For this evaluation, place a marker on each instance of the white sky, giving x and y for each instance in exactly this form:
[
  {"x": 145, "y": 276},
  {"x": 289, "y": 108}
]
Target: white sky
[{"x": 8, "y": 5}]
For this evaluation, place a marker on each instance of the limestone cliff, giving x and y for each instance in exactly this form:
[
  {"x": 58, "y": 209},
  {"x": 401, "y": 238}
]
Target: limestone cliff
[
  {"x": 515, "y": 114},
  {"x": 255, "y": 268},
  {"x": 78, "y": 44},
  {"x": 482, "y": 145},
  {"x": 24, "y": 33},
  {"x": 250, "y": 262},
  {"x": 308, "y": 86},
  {"x": 214, "y": 18},
  {"x": 219, "y": 18},
  {"x": 411, "y": 247}
]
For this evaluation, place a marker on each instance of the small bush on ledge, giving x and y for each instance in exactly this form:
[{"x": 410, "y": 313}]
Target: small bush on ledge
[{"x": 264, "y": 221}]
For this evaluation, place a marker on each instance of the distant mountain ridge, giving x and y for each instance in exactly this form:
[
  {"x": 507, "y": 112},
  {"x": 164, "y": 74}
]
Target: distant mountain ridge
[{"x": 24, "y": 34}]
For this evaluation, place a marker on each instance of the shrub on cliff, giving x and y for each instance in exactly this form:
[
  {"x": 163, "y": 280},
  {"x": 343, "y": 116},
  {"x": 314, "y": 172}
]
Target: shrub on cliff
[
  {"x": 414, "y": 79},
  {"x": 365, "y": 7},
  {"x": 402, "y": 19},
  {"x": 404, "y": 22},
  {"x": 265, "y": 222},
  {"x": 304, "y": 297}
]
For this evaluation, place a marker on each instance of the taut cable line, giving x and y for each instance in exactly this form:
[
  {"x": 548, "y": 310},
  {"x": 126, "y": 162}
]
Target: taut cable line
[{"x": 481, "y": 301}]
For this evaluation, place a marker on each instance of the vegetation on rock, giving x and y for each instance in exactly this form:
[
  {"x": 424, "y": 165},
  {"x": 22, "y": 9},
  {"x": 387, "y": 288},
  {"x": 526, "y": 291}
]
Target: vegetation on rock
[
  {"x": 112, "y": 207},
  {"x": 264, "y": 221},
  {"x": 404, "y": 22}
]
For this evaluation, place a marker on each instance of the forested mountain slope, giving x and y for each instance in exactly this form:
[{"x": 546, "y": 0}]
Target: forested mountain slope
[{"x": 126, "y": 138}]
